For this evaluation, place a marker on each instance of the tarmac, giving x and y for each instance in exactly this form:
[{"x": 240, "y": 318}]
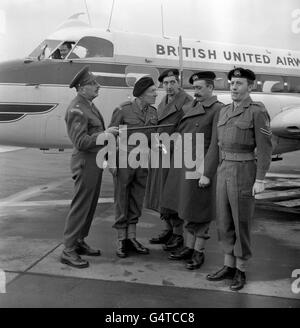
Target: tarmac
[{"x": 36, "y": 190}]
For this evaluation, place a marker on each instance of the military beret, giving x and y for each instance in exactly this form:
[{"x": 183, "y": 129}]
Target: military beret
[
  {"x": 142, "y": 85},
  {"x": 206, "y": 75},
  {"x": 241, "y": 72},
  {"x": 168, "y": 72},
  {"x": 83, "y": 77}
]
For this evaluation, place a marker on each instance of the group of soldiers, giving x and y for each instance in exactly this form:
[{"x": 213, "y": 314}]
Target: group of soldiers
[{"x": 237, "y": 155}]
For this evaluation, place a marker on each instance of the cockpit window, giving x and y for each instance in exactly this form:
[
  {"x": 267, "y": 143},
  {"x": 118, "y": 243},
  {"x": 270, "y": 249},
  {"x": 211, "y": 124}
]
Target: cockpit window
[
  {"x": 45, "y": 49},
  {"x": 91, "y": 46},
  {"x": 63, "y": 50}
]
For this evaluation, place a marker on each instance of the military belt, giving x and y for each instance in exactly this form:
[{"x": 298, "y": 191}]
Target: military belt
[{"x": 238, "y": 157}]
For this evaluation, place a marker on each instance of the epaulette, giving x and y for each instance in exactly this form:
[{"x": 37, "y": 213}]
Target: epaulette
[
  {"x": 220, "y": 103},
  {"x": 76, "y": 110},
  {"x": 260, "y": 105},
  {"x": 153, "y": 108},
  {"x": 124, "y": 104},
  {"x": 187, "y": 106}
]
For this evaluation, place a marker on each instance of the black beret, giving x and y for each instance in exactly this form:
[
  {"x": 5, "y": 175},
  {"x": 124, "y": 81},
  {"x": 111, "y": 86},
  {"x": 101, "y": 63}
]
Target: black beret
[
  {"x": 168, "y": 72},
  {"x": 206, "y": 75},
  {"x": 142, "y": 85},
  {"x": 241, "y": 72},
  {"x": 83, "y": 77}
]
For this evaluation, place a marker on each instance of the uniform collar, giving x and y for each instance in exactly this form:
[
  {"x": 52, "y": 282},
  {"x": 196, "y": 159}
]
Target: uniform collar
[
  {"x": 194, "y": 109},
  {"x": 241, "y": 107},
  {"x": 165, "y": 109},
  {"x": 84, "y": 99},
  {"x": 245, "y": 103},
  {"x": 90, "y": 104},
  {"x": 138, "y": 110},
  {"x": 209, "y": 102}
]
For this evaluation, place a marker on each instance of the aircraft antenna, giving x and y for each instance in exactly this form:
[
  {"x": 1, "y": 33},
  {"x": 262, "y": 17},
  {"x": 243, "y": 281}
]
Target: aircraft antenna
[
  {"x": 162, "y": 20},
  {"x": 111, "y": 13},
  {"x": 87, "y": 11},
  {"x": 180, "y": 60}
]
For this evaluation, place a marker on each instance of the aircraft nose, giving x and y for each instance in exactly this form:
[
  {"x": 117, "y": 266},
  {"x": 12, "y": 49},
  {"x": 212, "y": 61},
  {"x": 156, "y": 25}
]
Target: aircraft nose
[{"x": 287, "y": 123}]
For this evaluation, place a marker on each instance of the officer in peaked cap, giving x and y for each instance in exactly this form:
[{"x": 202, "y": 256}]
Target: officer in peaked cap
[
  {"x": 244, "y": 139},
  {"x": 130, "y": 181},
  {"x": 84, "y": 123},
  {"x": 83, "y": 77},
  {"x": 169, "y": 112}
]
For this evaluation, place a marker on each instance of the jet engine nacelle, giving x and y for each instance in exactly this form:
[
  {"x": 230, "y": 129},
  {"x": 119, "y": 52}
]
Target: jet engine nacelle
[{"x": 286, "y": 124}]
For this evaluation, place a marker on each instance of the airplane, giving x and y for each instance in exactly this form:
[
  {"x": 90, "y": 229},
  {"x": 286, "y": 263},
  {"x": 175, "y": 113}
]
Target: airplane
[{"x": 34, "y": 92}]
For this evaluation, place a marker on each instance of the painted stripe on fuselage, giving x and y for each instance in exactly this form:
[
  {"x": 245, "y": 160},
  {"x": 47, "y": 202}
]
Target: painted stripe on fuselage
[
  {"x": 10, "y": 117},
  {"x": 24, "y": 108},
  {"x": 10, "y": 112}
]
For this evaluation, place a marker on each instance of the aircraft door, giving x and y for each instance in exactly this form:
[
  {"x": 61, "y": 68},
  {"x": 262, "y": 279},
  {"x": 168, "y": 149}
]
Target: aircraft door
[{"x": 55, "y": 135}]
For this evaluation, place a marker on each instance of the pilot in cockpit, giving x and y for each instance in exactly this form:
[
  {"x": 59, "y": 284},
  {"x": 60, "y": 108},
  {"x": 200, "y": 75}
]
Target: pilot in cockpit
[{"x": 64, "y": 49}]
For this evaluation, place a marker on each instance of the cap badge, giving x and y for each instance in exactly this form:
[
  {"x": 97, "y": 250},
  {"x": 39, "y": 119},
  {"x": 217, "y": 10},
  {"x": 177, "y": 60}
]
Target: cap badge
[{"x": 237, "y": 73}]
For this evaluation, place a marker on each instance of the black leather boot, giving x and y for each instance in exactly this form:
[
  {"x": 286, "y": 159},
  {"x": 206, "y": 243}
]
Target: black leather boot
[
  {"x": 162, "y": 238},
  {"x": 238, "y": 281},
  {"x": 84, "y": 249},
  {"x": 73, "y": 259},
  {"x": 121, "y": 249},
  {"x": 225, "y": 273},
  {"x": 196, "y": 261},
  {"x": 133, "y": 244},
  {"x": 175, "y": 242},
  {"x": 185, "y": 253}
]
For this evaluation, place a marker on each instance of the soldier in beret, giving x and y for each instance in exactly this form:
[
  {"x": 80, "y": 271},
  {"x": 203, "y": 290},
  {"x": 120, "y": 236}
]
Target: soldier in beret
[
  {"x": 84, "y": 123},
  {"x": 243, "y": 130},
  {"x": 169, "y": 112},
  {"x": 130, "y": 182},
  {"x": 193, "y": 199}
]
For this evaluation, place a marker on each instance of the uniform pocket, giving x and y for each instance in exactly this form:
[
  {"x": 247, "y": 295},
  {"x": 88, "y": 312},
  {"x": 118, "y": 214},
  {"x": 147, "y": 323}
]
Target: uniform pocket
[
  {"x": 244, "y": 124},
  {"x": 132, "y": 121},
  {"x": 243, "y": 133},
  {"x": 222, "y": 121},
  {"x": 153, "y": 121},
  {"x": 77, "y": 165},
  {"x": 246, "y": 193}
]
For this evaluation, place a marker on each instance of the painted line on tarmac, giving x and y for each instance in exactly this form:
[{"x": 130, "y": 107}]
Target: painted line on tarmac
[
  {"x": 6, "y": 149},
  {"x": 33, "y": 264},
  {"x": 33, "y": 191},
  {"x": 141, "y": 271},
  {"x": 59, "y": 202}
]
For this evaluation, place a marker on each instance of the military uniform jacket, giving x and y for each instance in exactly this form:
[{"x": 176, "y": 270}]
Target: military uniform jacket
[
  {"x": 168, "y": 113},
  {"x": 172, "y": 112},
  {"x": 183, "y": 195},
  {"x": 244, "y": 129},
  {"x": 84, "y": 123},
  {"x": 130, "y": 114}
]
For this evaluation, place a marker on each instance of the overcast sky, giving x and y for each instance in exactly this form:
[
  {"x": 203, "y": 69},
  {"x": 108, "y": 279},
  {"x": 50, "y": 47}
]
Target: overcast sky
[{"x": 270, "y": 23}]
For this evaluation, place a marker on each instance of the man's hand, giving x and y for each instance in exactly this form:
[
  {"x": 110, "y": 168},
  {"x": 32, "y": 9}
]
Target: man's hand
[
  {"x": 204, "y": 182},
  {"x": 113, "y": 129},
  {"x": 258, "y": 187}
]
